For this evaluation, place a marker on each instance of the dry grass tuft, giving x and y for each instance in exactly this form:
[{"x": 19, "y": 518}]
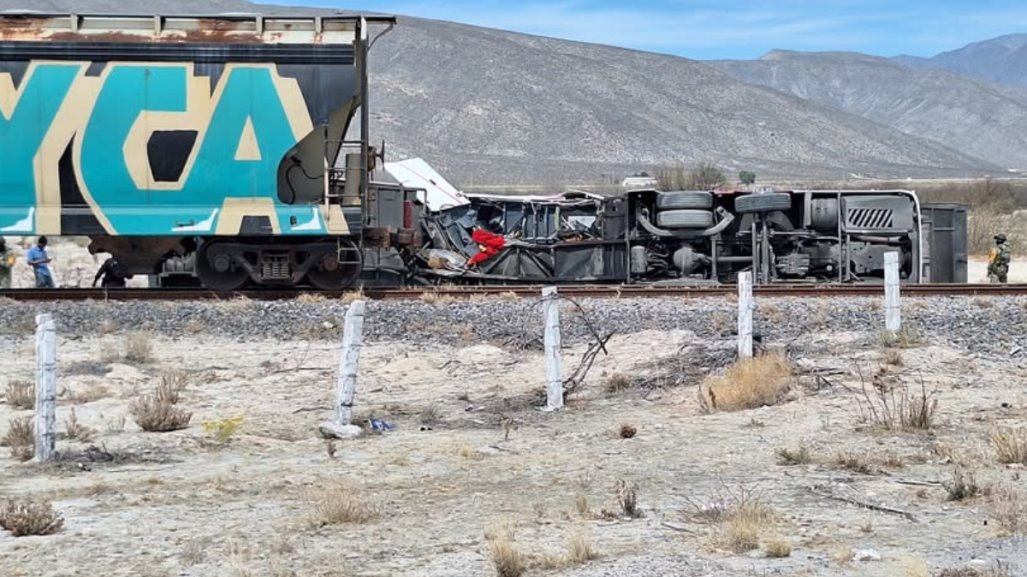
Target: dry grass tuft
[
  {"x": 20, "y": 395},
  {"x": 342, "y": 503},
  {"x": 854, "y": 462},
  {"x": 745, "y": 524},
  {"x": 20, "y": 439},
  {"x": 26, "y": 517},
  {"x": 506, "y": 557},
  {"x": 310, "y": 298},
  {"x": 139, "y": 346},
  {"x": 749, "y": 384},
  {"x": 617, "y": 383},
  {"x": 778, "y": 548},
  {"x": 157, "y": 412},
  {"x": 962, "y": 486},
  {"x": 627, "y": 431},
  {"x": 1010, "y": 444},
  {"x": 435, "y": 298},
  {"x": 77, "y": 430},
  {"x": 1008, "y": 507},
  {"x": 895, "y": 408},
  {"x": 789, "y": 457},
  {"x": 579, "y": 549},
  {"x": 582, "y": 506}
]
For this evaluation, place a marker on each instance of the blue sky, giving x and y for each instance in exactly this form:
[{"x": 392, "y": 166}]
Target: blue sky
[{"x": 710, "y": 29}]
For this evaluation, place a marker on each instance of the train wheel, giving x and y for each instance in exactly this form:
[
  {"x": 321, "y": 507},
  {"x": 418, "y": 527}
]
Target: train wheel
[
  {"x": 217, "y": 270},
  {"x": 337, "y": 267}
]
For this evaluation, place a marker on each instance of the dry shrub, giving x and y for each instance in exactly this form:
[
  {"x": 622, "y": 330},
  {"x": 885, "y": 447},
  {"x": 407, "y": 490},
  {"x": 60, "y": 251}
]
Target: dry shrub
[
  {"x": 962, "y": 486},
  {"x": 430, "y": 415},
  {"x": 506, "y": 557},
  {"x": 1010, "y": 444},
  {"x": 172, "y": 383},
  {"x": 77, "y": 430},
  {"x": 20, "y": 395},
  {"x": 139, "y": 346},
  {"x": 342, "y": 503},
  {"x": 895, "y": 408},
  {"x": 617, "y": 382},
  {"x": 157, "y": 412},
  {"x": 1008, "y": 507},
  {"x": 627, "y": 431},
  {"x": 26, "y": 517},
  {"x": 749, "y": 384},
  {"x": 20, "y": 439},
  {"x": 789, "y": 457},
  {"x": 777, "y": 548}
]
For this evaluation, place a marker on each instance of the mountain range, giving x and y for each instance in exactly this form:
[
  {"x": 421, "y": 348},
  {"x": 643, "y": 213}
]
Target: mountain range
[{"x": 491, "y": 107}]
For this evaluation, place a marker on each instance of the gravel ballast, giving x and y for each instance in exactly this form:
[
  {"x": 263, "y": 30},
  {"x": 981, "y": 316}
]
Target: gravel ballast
[{"x": 976, "y": 324}]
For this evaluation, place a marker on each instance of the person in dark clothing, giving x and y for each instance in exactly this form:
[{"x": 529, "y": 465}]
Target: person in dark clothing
[{"x": 113, "y": 274}]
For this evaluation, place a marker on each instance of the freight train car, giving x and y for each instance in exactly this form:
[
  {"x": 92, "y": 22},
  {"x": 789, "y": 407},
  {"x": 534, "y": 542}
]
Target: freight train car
[{"x": 231, "y": 140}]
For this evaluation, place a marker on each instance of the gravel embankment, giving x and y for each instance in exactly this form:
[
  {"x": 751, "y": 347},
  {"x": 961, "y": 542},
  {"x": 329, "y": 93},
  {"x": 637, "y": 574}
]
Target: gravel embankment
[{"x": 992, "y": 325}]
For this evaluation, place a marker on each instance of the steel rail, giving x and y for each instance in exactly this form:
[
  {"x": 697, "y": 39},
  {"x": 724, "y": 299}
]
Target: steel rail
[{"x": 465, "y": 292}]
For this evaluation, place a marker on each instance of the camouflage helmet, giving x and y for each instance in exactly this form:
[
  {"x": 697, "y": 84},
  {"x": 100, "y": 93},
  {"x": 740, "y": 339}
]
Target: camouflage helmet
[{"x": 1000, "y": 238}]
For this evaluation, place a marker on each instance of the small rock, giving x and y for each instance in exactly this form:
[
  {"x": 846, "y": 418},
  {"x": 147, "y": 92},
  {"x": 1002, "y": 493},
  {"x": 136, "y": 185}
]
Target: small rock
[
  {"x": 330, "y": 430},
  {"x": 866, "y": 555}
]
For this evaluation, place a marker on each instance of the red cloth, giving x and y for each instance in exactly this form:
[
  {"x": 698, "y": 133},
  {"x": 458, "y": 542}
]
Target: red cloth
[{"x": 493, "y": 243}]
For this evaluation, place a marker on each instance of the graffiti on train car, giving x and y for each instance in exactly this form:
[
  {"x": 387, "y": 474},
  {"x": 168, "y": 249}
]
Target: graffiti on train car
[{"x": 237, "y": 133}]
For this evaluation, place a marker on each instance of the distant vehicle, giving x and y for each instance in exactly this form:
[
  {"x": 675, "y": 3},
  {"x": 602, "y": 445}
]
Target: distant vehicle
[{"x": 634, "y": 182}]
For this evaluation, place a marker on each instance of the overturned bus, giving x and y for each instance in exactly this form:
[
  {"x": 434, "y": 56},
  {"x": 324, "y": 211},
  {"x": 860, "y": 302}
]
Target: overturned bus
[{"x": 679, "y": 237}]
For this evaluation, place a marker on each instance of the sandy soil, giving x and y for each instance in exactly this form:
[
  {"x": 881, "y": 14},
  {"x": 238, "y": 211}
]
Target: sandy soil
[{"x": 179, "y": 504}]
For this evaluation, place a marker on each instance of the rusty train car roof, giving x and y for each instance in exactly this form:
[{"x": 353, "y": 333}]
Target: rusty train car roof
[{"x": 230, "y": 28}]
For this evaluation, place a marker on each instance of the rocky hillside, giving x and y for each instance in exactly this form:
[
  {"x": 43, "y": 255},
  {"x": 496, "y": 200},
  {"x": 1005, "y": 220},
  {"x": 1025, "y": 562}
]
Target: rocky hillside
[
  {"x": 976, "y": 117},
  {"x": 494, "y": 107},
  {"x": 1002, "y": 60}
]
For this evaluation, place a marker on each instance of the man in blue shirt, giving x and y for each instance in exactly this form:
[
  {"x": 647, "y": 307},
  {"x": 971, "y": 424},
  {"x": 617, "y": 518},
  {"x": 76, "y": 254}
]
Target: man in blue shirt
[{"x": 38, "y": 259}]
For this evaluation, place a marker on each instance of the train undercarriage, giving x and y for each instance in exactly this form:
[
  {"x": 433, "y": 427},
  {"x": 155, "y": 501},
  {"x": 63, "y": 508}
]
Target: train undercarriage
[{"x": 638, "y": 237}]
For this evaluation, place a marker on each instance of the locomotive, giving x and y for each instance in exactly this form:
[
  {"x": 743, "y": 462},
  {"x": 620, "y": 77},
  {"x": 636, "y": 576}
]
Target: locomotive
[{"x": 233, "y": 151}]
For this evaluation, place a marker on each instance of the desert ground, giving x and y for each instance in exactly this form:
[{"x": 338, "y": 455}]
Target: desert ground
[{"x": 811, "y": 484}]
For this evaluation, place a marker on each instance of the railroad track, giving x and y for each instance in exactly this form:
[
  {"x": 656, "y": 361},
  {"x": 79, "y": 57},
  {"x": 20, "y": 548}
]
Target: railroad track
[{"x": 458, "y": 292}]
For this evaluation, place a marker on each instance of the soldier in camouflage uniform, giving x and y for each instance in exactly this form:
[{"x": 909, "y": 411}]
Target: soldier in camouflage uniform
[
  {"x": 6, "y": 264},
  {"x": 998, "y": 261}
]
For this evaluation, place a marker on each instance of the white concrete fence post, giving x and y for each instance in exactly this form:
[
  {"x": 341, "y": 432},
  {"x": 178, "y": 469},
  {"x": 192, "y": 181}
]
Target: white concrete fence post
[
  {"x": 554, "y": 367},
  {"x": 892, "y": 308},
  {"x": 745, "y": 308},
  {"x": 352, "y": 341},
  {"x": 46, "y": 388}
]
